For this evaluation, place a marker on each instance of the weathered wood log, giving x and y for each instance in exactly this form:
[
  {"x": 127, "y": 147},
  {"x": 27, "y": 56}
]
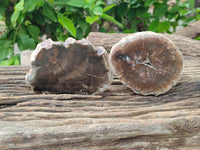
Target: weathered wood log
[
  {"x": 188, "y": 46},
  {"x": 114, "y": 119},
  {"x": 191, "y": 31}
]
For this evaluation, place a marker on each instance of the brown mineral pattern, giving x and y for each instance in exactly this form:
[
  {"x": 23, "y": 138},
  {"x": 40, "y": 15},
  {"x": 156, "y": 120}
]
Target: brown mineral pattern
[
  {"x": 149, "y": 63},
  {"x": 69, "y": 67}
]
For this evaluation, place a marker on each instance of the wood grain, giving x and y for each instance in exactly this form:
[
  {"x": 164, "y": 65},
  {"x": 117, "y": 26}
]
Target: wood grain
[
  {"x": 115, "y": 119},
  {"x": 186, "y": 45},
  {"x": 192, "y": 30}
]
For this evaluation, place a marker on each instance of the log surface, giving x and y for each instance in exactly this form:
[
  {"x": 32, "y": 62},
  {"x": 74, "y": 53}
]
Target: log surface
[
  {"x": 114, "y": 119},
  {"x": 191, "y": 31},
  {"x": 188, "y": 46}
]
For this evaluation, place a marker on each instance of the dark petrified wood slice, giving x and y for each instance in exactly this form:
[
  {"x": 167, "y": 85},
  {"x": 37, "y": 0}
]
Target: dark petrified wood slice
[
  {"x": 147, "y": 62},
  {"x": 69, "y": 67}
]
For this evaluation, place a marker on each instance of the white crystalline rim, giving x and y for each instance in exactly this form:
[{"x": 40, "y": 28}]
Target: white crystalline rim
[
  {"x": 45, "y": 44},
  {"x": 108, "y": 67}
]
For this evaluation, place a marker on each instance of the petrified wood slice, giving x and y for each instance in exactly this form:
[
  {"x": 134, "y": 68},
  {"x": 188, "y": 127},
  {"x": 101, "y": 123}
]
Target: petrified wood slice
[
  {"x": 69, "y": 67},
  {"x": 147, "y": 62}
]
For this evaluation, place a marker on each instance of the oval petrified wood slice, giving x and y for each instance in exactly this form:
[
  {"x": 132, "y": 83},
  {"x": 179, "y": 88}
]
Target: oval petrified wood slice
[
  {"x": 69, "y": 67},
  {"x": 149, "y": 63}
]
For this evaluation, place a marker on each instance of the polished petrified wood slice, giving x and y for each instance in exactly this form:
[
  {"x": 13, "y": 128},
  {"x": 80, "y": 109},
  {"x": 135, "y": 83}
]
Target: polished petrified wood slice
[
  {"x": 69, "y": 67},
  {"x": 149, "y": 63}
]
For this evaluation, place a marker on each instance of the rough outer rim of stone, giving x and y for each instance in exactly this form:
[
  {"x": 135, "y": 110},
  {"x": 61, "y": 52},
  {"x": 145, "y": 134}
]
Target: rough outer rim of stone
[{"x": 134, "y": 37}]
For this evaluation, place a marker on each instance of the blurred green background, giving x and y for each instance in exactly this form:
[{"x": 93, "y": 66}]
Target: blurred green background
[{"x": 23, "y": 23}]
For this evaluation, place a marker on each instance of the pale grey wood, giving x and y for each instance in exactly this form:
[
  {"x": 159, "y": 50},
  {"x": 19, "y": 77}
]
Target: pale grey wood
[
  {"x": 188, "y": 46},
  {"x": 192, "y": 30}
]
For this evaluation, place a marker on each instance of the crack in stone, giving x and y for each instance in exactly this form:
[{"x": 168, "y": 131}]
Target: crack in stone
[
  {"x": 150, "y": 65},
  {"x": 146, "y": 62}
]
